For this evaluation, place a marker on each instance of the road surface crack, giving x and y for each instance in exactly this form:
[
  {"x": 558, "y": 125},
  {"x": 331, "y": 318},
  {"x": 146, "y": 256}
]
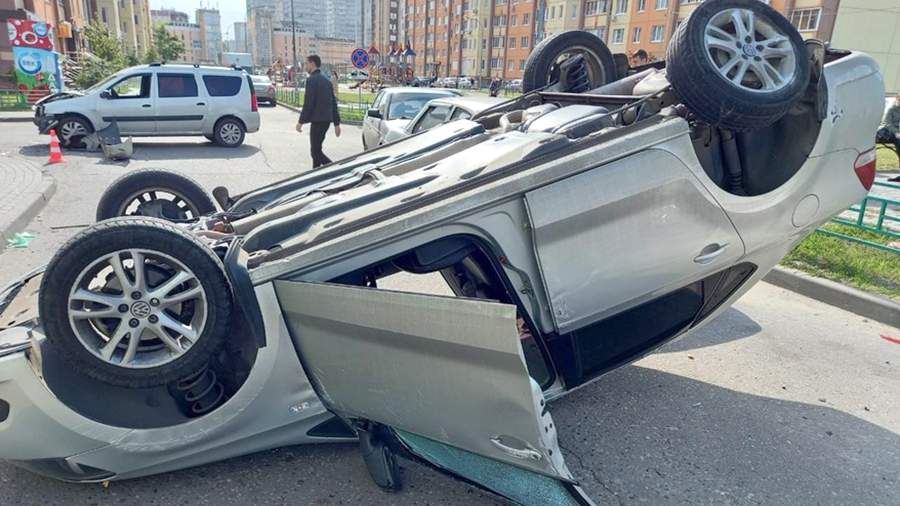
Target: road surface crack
[{"x": 594, "y": 474}]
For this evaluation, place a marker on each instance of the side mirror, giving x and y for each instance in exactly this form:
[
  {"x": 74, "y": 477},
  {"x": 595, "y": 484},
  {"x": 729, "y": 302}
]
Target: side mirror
[
  {"x": 105, "y": 94},
  {"x": 374, "y": 113}
]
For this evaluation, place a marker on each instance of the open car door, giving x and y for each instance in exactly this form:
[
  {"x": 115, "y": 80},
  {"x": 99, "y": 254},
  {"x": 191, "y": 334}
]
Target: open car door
[{"x": 446, "y": 376}]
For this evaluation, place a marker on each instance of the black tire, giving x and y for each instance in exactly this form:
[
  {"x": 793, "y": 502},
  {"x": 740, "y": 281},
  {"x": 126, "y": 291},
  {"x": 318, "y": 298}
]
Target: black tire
[
  {"x": 117, "y": 197},
  {"x": 222, "y": 138},
  {"x": 75, "y": 141},
  {"x": 712, "y": 97},
  {"x": 126, "y": 233},
  {"x": 540, "y": 63}
]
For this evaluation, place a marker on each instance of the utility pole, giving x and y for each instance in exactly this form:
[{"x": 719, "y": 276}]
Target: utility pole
[{"x": 294, "y": 41}]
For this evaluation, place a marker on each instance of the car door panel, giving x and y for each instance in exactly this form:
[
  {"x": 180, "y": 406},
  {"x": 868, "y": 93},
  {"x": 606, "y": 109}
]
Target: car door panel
[
  {"x": 132, "y": 112},
  {"x": 181, "y": 108},
  {"x": 594, "y": 236},
  {"x": 444, "y": 371}
]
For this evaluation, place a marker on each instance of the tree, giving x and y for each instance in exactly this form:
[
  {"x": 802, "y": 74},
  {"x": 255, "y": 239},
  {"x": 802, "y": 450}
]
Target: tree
[
  {"x": 108, "y": 56},
  {"x": 167, "y": 46}
]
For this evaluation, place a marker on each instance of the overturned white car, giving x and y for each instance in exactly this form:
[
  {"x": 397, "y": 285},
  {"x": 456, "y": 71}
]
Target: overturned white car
[{"x": 605, "y": 212}]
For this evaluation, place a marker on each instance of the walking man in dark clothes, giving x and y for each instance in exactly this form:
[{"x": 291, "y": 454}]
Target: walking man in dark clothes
[{"x": 320, "y": 109}]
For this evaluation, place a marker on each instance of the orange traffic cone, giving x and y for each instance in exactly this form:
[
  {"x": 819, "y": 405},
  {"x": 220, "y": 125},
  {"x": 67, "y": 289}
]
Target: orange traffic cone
[{"x": 55, "y": 152}]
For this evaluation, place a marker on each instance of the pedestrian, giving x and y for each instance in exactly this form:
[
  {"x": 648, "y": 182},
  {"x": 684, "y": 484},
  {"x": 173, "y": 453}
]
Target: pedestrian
[
  {"x": 320, "y": 109},
  {"x": 640, "y": 57},
  {"x": 495, "y": 86},
  {"x": 889, "y": 131}
]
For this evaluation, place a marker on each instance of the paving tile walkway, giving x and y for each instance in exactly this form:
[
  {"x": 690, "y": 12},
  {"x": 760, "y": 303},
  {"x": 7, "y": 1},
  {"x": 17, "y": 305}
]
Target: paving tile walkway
[{"x": 24, "y": 189}]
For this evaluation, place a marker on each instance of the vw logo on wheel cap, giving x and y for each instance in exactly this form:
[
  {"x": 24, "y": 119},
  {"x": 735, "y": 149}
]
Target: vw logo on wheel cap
[{"x": 141, "y": 309}]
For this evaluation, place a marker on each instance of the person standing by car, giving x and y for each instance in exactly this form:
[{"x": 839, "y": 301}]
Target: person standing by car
[
  {"x": 319, "y": 110},
  {"x": 889, "y": 131}
]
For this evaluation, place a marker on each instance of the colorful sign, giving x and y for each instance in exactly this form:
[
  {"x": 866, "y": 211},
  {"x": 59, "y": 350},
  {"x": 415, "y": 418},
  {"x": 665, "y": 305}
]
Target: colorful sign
[
  {"x": 37, "y": 66},
  {"x": 28, "y": 33}
]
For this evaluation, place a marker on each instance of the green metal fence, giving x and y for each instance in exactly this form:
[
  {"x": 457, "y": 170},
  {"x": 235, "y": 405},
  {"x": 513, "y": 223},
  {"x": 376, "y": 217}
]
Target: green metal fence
[
  {"x": 13, "y": 100},
  {"x": 352, "y": 106},
  {"x": 875, "y": 214}
]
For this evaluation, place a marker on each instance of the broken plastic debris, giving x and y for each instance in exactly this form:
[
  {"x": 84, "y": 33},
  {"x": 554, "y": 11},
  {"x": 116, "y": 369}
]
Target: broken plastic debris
[{"x": 20, "y": 240}]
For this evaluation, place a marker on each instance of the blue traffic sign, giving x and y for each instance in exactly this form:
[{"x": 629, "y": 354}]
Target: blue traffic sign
[{"x": 360, "y": 58}]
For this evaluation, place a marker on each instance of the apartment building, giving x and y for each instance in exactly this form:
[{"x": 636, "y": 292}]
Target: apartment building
[
  {"x": 872, "y": 26},
  {"x": 240, "y": 37},
  {"x": 486, "y": 37},
  {"x": 210, "y": 22},
  {"x": 166, "y": 16},
  {"x": 191, "y": 36},
  {"x": 127, "y": 20}
]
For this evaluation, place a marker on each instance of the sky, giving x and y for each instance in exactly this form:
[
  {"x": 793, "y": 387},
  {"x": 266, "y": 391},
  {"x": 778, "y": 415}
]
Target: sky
[{"x": 231, "y": 10}]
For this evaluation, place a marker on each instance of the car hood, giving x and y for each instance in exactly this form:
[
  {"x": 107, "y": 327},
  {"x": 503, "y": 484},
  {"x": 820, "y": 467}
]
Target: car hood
[{"x": 62, "y": 95}]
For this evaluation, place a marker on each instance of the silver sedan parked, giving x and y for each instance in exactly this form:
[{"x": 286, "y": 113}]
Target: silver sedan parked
[
  {"x": 265, "y": 90},
  {"x": 392, "y": 110}
]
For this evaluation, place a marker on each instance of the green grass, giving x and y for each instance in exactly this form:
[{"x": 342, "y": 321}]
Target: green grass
[
  {"x": 887, "y": 160},
  {"x": 849, "y": 263}
]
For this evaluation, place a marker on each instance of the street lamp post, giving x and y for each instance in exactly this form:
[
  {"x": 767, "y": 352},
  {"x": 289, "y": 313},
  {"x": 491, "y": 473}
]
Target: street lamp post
[{"x": 294, "y": 42}]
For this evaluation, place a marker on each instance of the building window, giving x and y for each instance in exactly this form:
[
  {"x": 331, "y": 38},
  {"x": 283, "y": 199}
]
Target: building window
[
  {"x": 618, "y": 36},
  {"x": 806, "y": 20},
  {"x": 524, "y": 42},
  {"x": 636, "y": 35},
  {"x": 641, "y": 5},
  {"x": 658, "y": 33},
  {"x": 512, "y": 42},
  {"x": 621, "y": 6},
  {"x": 526, "y": 18},
  {"x": 662, "y": 5},
  {"x": 601, "y": 33}
]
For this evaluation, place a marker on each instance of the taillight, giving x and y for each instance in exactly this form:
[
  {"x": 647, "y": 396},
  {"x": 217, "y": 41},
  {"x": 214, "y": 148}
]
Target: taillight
[
  {"x": 865, "y": 166},
  {"x": 254, "y": 105}
]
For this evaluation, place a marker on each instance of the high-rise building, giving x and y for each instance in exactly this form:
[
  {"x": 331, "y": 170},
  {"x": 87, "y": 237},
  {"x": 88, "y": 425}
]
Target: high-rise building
[
  {"x": 240, "y": 37},
  {"x": 166, "y": 16},
  {"x": 260, "y": 26},
  {"x": 210, "y": 22},
  {"x": 190, "y": 35}
]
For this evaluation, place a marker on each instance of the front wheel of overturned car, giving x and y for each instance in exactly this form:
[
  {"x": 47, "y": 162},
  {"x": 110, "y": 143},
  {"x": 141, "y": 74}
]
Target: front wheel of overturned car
[
  {"x": 738, "y": 64},
  {"x": 574, "y": 61},
  {"x": 135, "y": 302},
  {"x": 155, "y": 193}
]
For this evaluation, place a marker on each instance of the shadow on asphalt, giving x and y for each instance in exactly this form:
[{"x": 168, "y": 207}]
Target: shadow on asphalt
[
  {"x": 729, "y": 326},
  {"x": 153, "y": 151},
  {"x": 649, "y": 436}
]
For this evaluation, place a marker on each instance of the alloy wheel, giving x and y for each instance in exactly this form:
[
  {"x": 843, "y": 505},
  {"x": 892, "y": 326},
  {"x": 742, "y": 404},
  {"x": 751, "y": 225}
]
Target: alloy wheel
[
  {"x": 137, "y": 308},
  {"x": 749, "y": 51}
]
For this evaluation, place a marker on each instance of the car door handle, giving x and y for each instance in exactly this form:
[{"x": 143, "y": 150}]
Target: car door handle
[
  {"x": 201, "y": 103},
  {"x": 710, "y": 253},
  {"x": 519, "y": 453},
  {"x": 146, "y": 106}
]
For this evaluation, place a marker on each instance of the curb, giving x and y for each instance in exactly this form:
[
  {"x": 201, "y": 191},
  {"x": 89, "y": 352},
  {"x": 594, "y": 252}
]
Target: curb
[
  {"x": 835, "y": 294},
  {"x": 297, "y": 110},
  {"x": 14, "y": 119}
]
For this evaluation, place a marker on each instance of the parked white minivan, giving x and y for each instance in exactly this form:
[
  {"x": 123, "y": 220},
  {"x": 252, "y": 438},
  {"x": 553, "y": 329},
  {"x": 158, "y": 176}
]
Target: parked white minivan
[{"x": 157, "y": 100}]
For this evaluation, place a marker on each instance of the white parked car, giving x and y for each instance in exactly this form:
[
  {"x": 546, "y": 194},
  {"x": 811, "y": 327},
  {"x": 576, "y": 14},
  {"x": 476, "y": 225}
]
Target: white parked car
[
  {"x": 157, "y": 100},
  {"x": 392, "y": 110},
  {"x": 443, "y": 110}
]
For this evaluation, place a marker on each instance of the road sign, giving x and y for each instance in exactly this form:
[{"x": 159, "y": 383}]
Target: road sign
[{"x": 360, "y": 58}]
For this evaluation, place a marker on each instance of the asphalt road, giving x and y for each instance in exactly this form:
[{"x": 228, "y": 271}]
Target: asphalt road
[{"x": 780, "y": 400}]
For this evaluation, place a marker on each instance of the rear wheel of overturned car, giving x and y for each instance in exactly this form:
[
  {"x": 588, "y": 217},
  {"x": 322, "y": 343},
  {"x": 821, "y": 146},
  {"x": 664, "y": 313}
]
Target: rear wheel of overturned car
[
  {"x": 135, "y": 302},
  {"x": 230, "y": 132},
  {"x": 155, "y": 193},
  {"x": 72, "y": 130},
  {"x": 737, "y": 64},
  {"x": 577, "y": 58}
]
